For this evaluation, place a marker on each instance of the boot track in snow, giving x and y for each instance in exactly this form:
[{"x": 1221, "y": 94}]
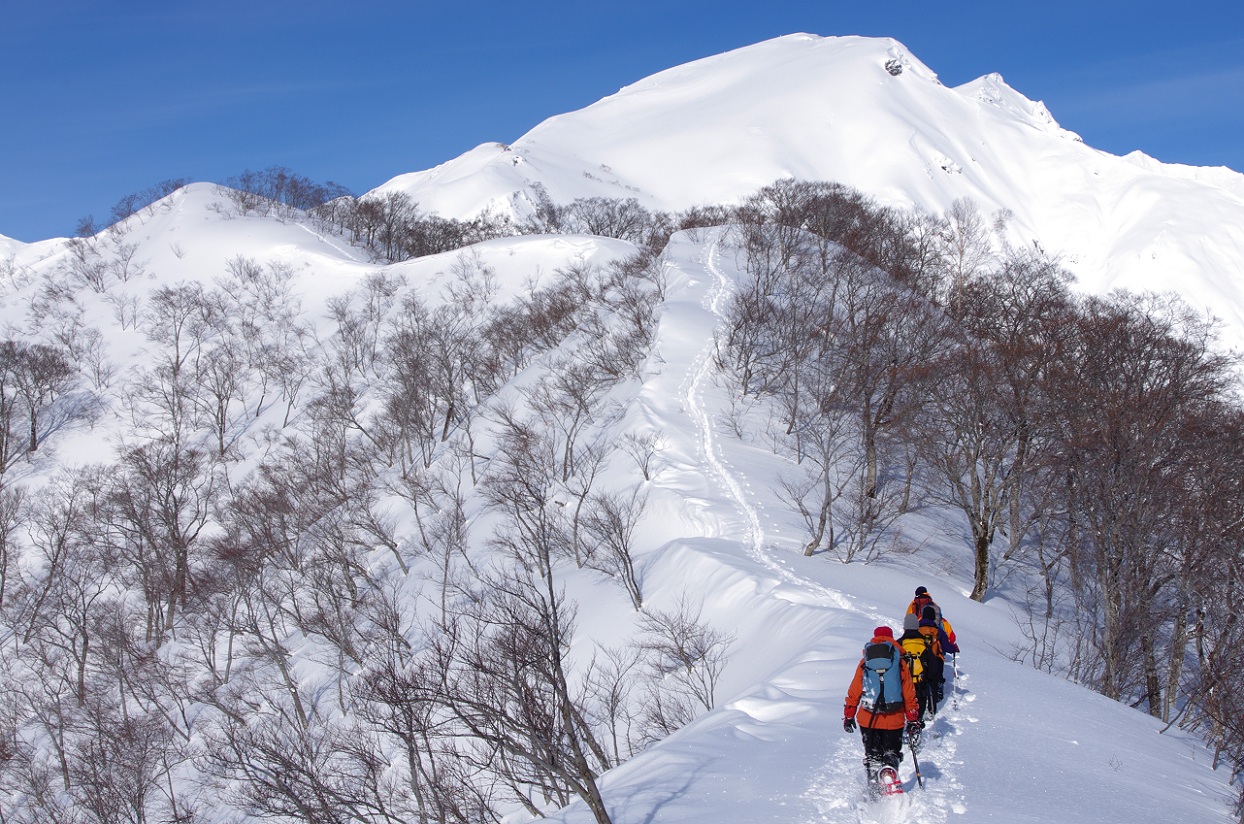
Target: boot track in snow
[{"x": 840, "y": 790}]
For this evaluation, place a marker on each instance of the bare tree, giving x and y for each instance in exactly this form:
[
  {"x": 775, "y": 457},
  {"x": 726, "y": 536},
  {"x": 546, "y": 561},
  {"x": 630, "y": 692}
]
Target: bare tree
[
  {"x": 359, "y": 318},
  {"x": 179, "y": 320},
  {"x": 971, "y": 444},
  {"x": 546, "y": 217},
  {"x": 508, "y": 681},
  {"x": 394, "y": 699},
  {"x": 120, "y": 766},
  {"x": 567, "y": 404},
  {"x": 610, "y": 217},
  {"x": 326, "y": 773},
  {"x": 880, "y": 339},
  {"x": 522, "y": 483},
  {"x": 966, "y": 247},
  {"x": 223, "y": 378},
  {"x": 610, "y": 524},
  {"x": 1128, "y": 383},
  {"x": 642, "y": 447},
  {"x": 135, "y": 202},
  {"x": 694, "y": 652},
  {"x": 265, "y": 313},
  {"x": 841, "y": 344},
  {"x": 39, "y": 373},
  {"x": 13, "y": 515},
  {"x": 63, "y": 602},
  {"x": 11, "y": 438},
  {"x": 433, "y": 355},
  {"x": 612, "y": 680},
  {"x": 826, "y": 467},
  {"x": 280, "y": 190},
  {"x": 154, "y": 508},
  {"x": 85, "y": 265},
  {"x": 990, "y": 416}
]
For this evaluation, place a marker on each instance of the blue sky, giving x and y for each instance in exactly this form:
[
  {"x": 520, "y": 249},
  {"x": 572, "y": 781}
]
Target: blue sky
[{"x": 99, "y": 100}]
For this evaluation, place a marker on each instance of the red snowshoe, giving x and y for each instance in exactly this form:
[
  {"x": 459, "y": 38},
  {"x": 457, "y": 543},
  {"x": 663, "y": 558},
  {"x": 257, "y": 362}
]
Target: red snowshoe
[{"x": 887, "y": 782}]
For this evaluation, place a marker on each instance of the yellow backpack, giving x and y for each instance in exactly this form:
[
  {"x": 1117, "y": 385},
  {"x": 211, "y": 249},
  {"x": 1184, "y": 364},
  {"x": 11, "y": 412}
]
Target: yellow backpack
[{"x": 918, "y": 651}]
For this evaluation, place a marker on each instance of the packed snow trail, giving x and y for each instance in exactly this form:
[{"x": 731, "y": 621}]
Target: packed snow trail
[
  {"x": 838, "y": 790},
  {"x": 716, "y": 301},
  {"x": 700, "y": 373},
  {"x": 772, "y": 750}
]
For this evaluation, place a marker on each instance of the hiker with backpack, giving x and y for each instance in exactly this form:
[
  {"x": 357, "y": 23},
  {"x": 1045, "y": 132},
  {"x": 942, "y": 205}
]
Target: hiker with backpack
[
  {"x": 931, "y": 628},
  {"x": 934, "y": 624},
  {"x": 917, "y": 606},
  {"x": 881, "y": 701},
  {"x": 923, "y": 654}
]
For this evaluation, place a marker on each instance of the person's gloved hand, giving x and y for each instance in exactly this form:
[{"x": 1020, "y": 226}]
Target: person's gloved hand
[{"x": 848, "y": 724}]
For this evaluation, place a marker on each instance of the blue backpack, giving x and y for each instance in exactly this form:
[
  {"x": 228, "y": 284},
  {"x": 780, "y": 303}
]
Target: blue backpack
[{"x": 882, "y": 679}]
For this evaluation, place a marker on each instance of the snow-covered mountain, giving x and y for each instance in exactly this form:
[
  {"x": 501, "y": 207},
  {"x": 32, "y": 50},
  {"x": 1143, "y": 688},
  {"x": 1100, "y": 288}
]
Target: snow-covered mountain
[
  {"x": 866, "y": 112},
  {"x": 1013, "y": 744}
]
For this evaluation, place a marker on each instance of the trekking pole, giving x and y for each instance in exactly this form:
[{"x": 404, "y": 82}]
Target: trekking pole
[
  {"x": 954, "y": 701},
  {"x": 915, "y": 761}
]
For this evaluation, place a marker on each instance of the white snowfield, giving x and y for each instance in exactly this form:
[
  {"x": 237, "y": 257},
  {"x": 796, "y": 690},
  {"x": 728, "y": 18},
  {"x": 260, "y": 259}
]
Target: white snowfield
[{"x": 1012, "y": 744}]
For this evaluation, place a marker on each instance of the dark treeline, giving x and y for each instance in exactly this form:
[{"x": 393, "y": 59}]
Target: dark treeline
[
  {"x": 1090, "y": 445},
  {"x": 393, "y": 227},
  {"x": 380, "y": 498}
]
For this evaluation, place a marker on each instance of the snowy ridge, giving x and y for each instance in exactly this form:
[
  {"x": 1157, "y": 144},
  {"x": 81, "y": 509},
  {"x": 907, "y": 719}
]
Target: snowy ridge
[
  {"x": 774, "y": 751},
  {"x": 829, "y": 108},
  {"x": 737, "y": 487},
  {"x": 993, "y": 90}
]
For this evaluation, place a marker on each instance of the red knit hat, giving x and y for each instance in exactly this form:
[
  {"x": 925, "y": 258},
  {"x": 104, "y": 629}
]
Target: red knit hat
[{"x": 883, "y": 632}]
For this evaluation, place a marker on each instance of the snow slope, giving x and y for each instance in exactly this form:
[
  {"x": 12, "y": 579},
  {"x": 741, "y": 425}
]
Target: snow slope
[
  {"x": 1014, "y": 744},
  {"x": 827, "y": 108},
  {"x": 1017, "y": 745}
]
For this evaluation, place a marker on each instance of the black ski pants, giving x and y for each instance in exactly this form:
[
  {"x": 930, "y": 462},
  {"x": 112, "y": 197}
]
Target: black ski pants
[
  {"x": 882, "y": 748},
  {"x": 935, "y": 680},
  {"x": 926, "y": 695}
]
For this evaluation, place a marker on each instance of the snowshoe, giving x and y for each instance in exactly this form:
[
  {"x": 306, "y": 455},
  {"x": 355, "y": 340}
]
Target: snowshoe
[{"x": 887, "y": 782}]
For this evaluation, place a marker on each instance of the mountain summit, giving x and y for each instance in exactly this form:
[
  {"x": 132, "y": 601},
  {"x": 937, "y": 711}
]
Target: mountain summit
[{"x": 867, "y": 113}]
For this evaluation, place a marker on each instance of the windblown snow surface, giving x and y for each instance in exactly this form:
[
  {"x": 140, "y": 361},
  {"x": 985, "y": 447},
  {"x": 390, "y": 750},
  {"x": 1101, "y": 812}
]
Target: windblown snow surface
[{"x": 1013, "y": 744}]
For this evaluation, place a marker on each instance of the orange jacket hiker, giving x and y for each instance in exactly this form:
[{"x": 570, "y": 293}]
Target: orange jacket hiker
[
  {"x": 924, "y": 599},
  {"x": 882, "y": 720}
]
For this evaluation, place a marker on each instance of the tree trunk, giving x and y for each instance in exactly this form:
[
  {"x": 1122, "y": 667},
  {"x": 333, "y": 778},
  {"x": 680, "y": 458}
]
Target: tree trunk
[
  {"x": 1153, "y": 685},
  {"x": 980, "y": 581}
]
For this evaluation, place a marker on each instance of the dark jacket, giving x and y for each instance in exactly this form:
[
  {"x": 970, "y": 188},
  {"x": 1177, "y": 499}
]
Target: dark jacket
[{"x": 930, "y": 627}]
